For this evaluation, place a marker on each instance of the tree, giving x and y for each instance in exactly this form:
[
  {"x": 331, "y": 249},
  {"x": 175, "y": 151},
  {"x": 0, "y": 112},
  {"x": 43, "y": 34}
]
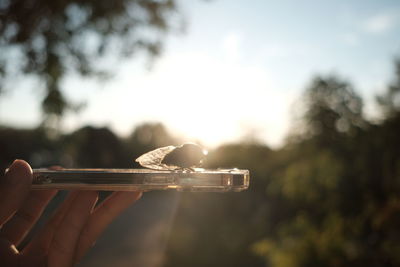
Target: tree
[
  {"x": 390, "y": 100},
  {"x": 332, "y": 108},
  {"x": 336, "y": 209},
  {"x": 149, "y": 136},
  {"x": 49, "y": 40},
  {"x": 90, "y": 147}
]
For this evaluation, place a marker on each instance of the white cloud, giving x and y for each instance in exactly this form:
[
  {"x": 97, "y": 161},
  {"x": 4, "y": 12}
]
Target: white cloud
[{"x": 380, "y": 23}]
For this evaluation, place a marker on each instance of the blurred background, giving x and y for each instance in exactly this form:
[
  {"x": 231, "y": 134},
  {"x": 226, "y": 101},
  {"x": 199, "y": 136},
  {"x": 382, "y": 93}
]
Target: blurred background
[{"x": 304, "y": 94}]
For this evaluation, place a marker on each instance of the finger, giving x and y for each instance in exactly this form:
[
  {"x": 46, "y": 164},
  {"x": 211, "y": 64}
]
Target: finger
[
  {"x": 30, "y": 213},
  {"x": 14, "y": 188},
  {"x": 102, "y": 216},
  {"x": 20, "y": 224},
  {"x": 63, "y": 246},
  {"x": 40, "y": 244}
]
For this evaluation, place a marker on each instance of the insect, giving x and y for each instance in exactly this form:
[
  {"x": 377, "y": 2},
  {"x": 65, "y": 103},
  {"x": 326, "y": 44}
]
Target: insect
[{"x": 186, "y": 156}]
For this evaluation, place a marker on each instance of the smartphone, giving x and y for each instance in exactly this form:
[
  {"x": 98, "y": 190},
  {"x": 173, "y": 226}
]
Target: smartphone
[{"x": 202, "y": 180}]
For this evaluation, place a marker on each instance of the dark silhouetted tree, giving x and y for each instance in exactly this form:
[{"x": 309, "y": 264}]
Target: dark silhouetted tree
[
  {"x": 49, "y": 40},
  {"x": 332, "y": 109},
  {"x": 390, "y": 100},
  {"x": 30, "y": 144},
  {"x": 336, "y": 209},
  {"x": 146, "y": 137},
  {"x": 91, "y": 147}
]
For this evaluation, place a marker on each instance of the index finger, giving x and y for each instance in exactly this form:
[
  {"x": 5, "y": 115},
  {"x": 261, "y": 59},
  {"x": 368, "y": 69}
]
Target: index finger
[
  {"x": 101, "y": 217},
  {"x": 14, "y": 189}
]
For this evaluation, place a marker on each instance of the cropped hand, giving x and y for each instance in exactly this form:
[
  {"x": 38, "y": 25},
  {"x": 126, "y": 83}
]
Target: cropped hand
[{"x": 69, "y": 233}]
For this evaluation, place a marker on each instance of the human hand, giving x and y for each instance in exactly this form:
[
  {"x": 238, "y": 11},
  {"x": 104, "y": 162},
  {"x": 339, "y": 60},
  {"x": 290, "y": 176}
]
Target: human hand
[{"x": 70, "y": 232}]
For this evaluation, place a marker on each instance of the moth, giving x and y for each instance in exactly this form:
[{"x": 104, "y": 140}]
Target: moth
[{"x": 184, "y": 157}]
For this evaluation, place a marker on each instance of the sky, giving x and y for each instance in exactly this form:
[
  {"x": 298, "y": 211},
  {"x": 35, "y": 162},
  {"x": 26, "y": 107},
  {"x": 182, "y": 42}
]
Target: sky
[{"x": 237, "y": 72}]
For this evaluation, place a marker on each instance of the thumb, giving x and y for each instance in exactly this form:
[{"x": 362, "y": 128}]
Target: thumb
[{"x": 14, "y": 188}]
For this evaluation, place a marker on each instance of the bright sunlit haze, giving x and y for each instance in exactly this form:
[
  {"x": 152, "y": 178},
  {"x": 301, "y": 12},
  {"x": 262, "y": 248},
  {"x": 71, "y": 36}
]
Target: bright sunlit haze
[{"x": 237, "y": 72}]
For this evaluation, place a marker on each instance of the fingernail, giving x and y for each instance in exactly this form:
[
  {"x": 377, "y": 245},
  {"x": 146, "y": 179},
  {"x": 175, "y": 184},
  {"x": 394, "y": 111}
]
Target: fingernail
[
  {"x": 8, "y": 169},
  {"x": 11, "y": 174},
  {"x": 8, "y": 174}
]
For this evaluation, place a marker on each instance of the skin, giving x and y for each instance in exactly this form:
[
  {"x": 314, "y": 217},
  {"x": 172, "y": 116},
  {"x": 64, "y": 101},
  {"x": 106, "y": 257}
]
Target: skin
[{"x": 70, "y": 232}]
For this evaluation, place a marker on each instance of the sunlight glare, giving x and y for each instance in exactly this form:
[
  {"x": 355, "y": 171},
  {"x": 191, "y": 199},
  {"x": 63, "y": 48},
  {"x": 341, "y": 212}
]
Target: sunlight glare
[{"x": 199, "y": 96}]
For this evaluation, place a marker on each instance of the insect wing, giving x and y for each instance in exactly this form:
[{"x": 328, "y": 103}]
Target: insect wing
[{"x": 153, "y": 159}]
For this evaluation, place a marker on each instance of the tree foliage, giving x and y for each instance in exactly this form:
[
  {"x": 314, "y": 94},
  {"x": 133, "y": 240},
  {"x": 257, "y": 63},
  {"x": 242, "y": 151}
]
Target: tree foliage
[
  {"x": 340, "y": 195},
  {"x": 49, "y": 39},
  {"x": 390, "y": 100},
  {"x": 331, "y": 199},
  {"x": 332, "y": 108}
]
